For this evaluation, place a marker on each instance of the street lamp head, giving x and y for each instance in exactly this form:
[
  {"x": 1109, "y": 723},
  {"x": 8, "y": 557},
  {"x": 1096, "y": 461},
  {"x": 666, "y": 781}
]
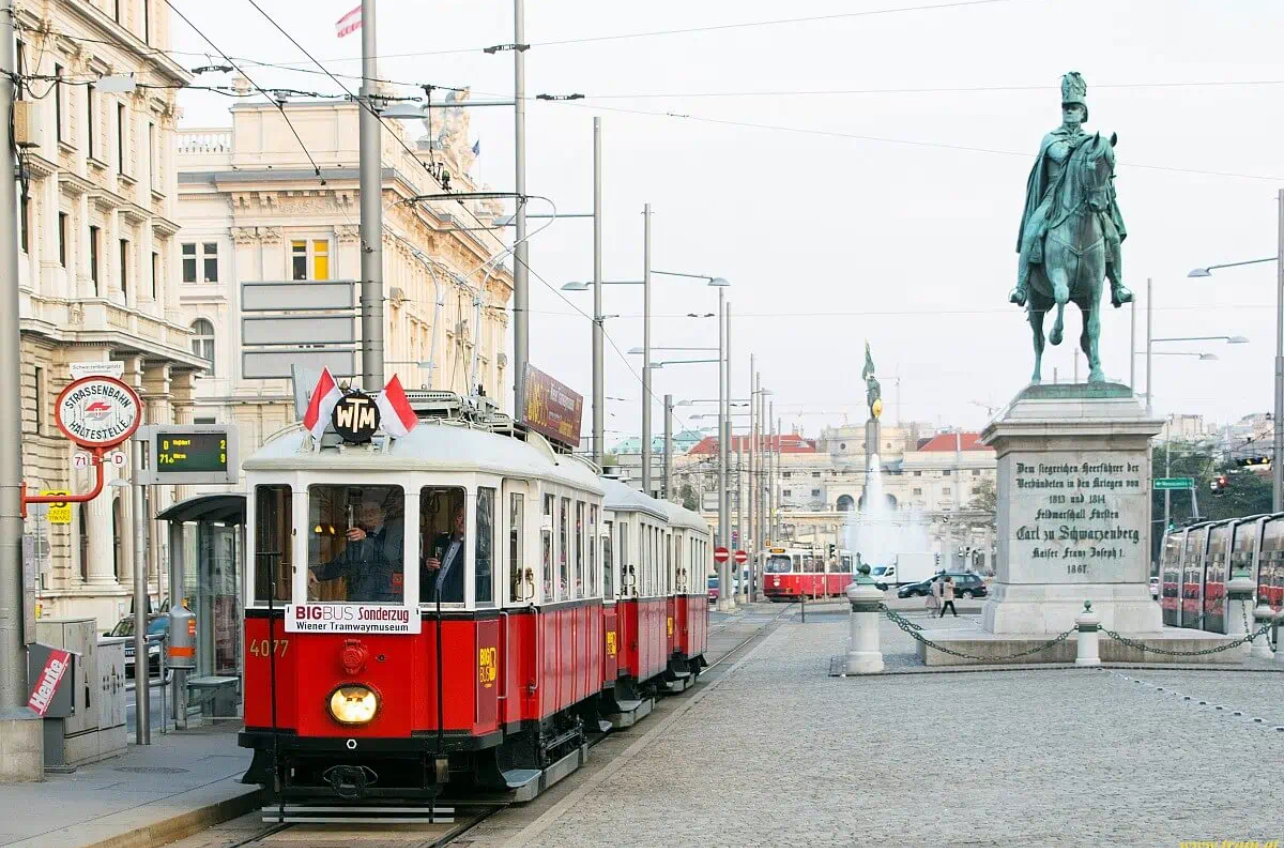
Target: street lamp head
[
  {"x": 404, "y": 111},
  {"x": 575, "y": 286},
  {"x": 1237, "y": 340},
  {"x": 1200, "y": 272},
  {"x": 636, "y": 351},
  {"x": 719, "y": 282},
  {"x": 1207, "y": 357}
]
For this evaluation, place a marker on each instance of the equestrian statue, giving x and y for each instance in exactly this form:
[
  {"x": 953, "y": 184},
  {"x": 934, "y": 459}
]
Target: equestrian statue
[{"x": 1071, "y": 232}]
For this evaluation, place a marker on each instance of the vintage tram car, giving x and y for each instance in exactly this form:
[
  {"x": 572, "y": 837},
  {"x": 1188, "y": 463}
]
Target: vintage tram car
[{"x": 454, "y": 607}]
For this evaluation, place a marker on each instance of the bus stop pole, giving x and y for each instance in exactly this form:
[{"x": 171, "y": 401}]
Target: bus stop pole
[{"x": 142, "y": 663}]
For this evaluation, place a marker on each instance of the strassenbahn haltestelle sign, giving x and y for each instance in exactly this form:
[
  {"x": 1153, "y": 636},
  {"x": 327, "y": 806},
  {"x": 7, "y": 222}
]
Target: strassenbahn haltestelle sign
[{"x": 97, "y": 412}]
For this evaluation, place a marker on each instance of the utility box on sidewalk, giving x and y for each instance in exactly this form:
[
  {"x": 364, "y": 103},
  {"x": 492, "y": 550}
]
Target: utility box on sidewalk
[{"x": 93, "y": 727}]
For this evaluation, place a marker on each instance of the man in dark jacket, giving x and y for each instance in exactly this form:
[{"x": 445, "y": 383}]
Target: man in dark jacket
[
  {"x": 443, "y": 574},
  {"x": 371, "y": 563}
]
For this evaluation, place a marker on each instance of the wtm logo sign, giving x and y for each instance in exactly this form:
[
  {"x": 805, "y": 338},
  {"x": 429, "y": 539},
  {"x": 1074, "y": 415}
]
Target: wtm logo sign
[{"x": 355, "y": 418}]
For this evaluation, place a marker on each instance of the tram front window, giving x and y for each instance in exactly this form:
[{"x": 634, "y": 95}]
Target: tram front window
[
  {"x": 356, "y": 550},
  {"x": 778, "y": 565},
  {"x": 443, "y": 519}
]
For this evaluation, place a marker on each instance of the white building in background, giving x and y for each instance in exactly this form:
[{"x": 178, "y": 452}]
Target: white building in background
[
  {"x": 97, "y": 232},
  {"x": 253, "y": 210}
]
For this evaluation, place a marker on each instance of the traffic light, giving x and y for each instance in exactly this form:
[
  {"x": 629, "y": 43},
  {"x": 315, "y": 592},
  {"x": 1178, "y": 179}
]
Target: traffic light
[
  {"x": 1219, "y": 484},
  {"x": 1253, "y": 461}
]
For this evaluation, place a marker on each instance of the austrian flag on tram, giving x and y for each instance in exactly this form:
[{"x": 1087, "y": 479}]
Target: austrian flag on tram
[
  {"x": 395, "y": 413},
  {"x": 325, "y": 397}
]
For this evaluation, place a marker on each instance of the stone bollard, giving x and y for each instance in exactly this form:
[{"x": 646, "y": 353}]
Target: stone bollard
[
  {"x": 1089, "y": 625},
  {"x": 864, "y": 655},
  {"x": 1262, "y": 645},
  {"x": 1239, "y": 606}
]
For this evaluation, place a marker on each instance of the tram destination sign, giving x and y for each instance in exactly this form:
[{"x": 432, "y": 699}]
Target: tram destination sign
[
  {"x": 190, "y": 454},
  {"x": 351, "y": 618},
  {"x": 552, "y": 409}
]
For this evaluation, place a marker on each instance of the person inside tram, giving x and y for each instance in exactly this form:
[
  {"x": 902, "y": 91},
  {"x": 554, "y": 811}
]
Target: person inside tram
[
  {"x": 371, "y": 562},
  {"x": 443, "y": 575}
]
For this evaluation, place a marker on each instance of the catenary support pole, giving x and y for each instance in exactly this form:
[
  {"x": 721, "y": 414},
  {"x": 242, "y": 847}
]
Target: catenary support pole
[
  {"x": 142, "y": 663},
  {"x": 599, "y": 388},
  {"x": 646, "y": 348},
  {"x": 667, "y": 491},
  {"x": 724, "y": 534},
  {"x": 751, "y": 489},
  {"x": 1150, "y": 321},
  {"x": 521, "y": 252},
  {"x": 1277, "y": 456},
  {"x": 371, "y": 184},
  {"x": 20, "y": 730}
]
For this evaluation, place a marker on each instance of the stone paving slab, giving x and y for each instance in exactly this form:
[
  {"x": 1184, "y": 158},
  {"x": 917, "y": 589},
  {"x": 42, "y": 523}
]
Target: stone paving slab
[
  {"x": 781, "y": 754},
  {"x": 148, "y": 796}
]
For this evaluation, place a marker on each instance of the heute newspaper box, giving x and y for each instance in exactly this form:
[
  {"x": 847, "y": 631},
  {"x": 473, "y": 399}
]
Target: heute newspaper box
[{"x": 52, "y": 673}]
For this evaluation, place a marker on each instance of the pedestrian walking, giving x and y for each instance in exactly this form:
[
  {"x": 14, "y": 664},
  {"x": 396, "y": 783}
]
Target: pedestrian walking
[
  {"x": 934, "y": 600},
  {"x": 947, "y": 597}
]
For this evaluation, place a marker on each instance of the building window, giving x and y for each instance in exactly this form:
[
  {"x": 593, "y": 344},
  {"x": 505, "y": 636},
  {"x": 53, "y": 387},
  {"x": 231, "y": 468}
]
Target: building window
[
  {"x": 94, "y": 234},
  {"x": 815, "y": 474},
  {"x": 976, "y": 473},
  {"x": 40, "y": 399},
  {"x": 58, "y": 100},
  {"x": 203, "y": 342},
  {"x": 787, "y": 493},
  {"x": 918, "y": 473},
  {"x": 945, "y": 473},
  {"x": 202, "y": 256},
  {"x": 26, "y": 223},
  {"x": 945, "y": 491},
  {"x": 918, "y": 492},
  {"x": 124, "y": 266},
  {"x": 62, "y": 239},
  {"x": 147, "y": 22},
  {"x": 89, "y": 124},
  {"x": 155, "y": 272},
  {"x": 151, "y": 157},
  {"x": 785, "y": 474},
  {"x": 122, "y": 134},
  {"x": 310, "y": 259},
  {"x": 976, "y": 490},
  {"x": 116, "y": 14},
  {"x": 815, "y": 493},
  {"x": 206, "y": 420},
  {"x": 83, "y": 515}
]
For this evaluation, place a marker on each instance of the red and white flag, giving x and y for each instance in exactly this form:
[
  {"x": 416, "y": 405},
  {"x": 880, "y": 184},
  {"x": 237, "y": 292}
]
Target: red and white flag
[
  {"x": 348, "y": 24},
  {"x": 325, "y": 397},
  {"x": 395, "y": 415}
]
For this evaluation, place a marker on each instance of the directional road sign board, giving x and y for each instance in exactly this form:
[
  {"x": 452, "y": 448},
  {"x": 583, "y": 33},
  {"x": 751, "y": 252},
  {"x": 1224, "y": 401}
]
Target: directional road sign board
[{"x": 1162, "y": 483}]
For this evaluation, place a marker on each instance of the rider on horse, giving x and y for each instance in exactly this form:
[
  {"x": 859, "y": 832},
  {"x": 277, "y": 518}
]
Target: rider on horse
[{"x": 1056, "y": 154}]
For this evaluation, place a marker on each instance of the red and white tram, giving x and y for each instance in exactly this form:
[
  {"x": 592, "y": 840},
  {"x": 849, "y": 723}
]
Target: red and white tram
[
  {"x": 454, "y": 606},
  {"x": 1198, "y": 562},
  {"x": 790, "y": 573}
]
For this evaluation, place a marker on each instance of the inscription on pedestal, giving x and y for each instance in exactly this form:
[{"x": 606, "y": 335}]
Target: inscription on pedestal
[{"x": 1078, "y": 518}]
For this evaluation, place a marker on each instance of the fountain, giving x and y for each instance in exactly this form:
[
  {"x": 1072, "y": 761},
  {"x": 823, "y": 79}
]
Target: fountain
[{"x": 878, "y": 532}]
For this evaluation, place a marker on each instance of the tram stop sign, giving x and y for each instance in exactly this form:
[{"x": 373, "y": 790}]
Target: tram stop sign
[
  {"x": 720, "y": 554},
  {"x": 97, "y": 412},
  {"x": 741, "y": 557}
]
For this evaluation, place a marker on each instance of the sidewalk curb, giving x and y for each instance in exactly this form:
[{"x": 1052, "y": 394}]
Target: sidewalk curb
[{"x": 151, "y": 834}]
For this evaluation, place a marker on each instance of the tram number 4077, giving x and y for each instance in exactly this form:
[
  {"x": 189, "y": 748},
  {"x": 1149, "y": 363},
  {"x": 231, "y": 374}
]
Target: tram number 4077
[{"x": 259, "y": 647}]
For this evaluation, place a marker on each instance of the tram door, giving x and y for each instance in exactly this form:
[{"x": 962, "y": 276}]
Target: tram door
[{"x": 1192, "y": 577}]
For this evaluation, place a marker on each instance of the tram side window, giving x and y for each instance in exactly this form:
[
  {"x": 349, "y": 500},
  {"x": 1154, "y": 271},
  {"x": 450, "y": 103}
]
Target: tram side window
[
  {"x": 593, "y": 542},
  {"x": 516, "y": 562},
  {"x": 579, "y": 549},
  {"x": 624, "y": 559},
  {"x": 443, "y": 521},
  {"x": 668, "y": 564},
  {"x": 483, "y": 559},
  {"x": 563, "y": 542},
  {"x": 546, "y": 541},
  {"x": 357, "y": 547},
  {"x": 273, "y": 537},
  {"x": 608, "y": 563}
]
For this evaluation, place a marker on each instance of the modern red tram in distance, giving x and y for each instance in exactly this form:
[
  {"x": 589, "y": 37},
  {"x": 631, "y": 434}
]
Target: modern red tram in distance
[
  {"x": 434, "y": 610},
  {"x": 1197, "y": 563}
]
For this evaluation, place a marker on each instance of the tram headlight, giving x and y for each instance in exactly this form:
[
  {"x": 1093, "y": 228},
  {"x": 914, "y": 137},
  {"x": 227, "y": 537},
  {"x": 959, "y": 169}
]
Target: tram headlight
[{"x": 353, "y": 704}]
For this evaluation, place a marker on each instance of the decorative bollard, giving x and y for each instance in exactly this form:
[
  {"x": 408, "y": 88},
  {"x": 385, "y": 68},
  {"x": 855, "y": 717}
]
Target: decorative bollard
[
  {"x": 864, "y": 656},
  {"x": 1262, "y": 644},
  {"x": 1089, "y": 625},
  {"x": 1239, "y": 595}
]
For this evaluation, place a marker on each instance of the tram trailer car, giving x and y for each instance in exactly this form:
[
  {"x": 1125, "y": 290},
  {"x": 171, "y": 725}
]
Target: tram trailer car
[{"x": 368, "y": 679}]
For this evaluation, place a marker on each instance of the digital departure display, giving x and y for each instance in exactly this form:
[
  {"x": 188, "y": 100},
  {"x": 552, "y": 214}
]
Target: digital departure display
[{"x": 180, "y": 453}]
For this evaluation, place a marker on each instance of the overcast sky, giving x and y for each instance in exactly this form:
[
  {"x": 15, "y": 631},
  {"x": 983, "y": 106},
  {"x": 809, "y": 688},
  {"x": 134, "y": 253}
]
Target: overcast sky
[{"x": 889, "y": 216}]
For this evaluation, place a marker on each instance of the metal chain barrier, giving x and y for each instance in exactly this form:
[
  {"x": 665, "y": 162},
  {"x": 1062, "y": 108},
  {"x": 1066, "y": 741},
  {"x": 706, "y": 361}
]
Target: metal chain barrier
[
  {"x": 1264, "y": 629},
  {"x": 913, "y": 630}
]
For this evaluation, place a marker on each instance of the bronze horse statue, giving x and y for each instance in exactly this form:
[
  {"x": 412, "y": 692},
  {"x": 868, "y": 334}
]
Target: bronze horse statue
[{"x": 1075, "y": 252}]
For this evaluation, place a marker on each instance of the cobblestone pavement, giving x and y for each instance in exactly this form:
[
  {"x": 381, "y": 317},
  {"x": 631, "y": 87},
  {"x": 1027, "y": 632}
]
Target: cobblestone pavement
[{"x": 778, "y": 753}]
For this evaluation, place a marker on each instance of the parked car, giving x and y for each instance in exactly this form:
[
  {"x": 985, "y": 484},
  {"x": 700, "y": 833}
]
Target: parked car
[
  {"x": 966, "y": 585},
  {"x": 157, "y": 629}
]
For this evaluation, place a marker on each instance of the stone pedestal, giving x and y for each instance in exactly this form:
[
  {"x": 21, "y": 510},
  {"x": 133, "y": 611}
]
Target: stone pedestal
[
  {"x": 22, "y": 746},
  {"x": 864, "y": 655},
  {"x": 1073, "y": 511}
]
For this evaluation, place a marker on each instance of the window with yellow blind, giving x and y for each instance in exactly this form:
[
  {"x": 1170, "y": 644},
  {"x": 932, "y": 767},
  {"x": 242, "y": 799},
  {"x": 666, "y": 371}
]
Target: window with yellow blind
[{"x": 310, "y": 259}]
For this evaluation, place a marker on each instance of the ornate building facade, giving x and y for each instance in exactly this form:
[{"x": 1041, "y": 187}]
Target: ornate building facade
[
  {"x": 254, "y": 210},
  {"x": 98, "y": 226}
]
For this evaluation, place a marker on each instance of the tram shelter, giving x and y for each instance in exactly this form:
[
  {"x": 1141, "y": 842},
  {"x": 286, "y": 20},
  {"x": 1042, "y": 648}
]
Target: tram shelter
[{"x": 207, "y": 556}]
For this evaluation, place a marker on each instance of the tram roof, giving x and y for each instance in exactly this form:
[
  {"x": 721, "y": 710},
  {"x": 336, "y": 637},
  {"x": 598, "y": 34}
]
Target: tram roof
[
  {"x": 621, "y": 497},
  {"x": 684, "y": 518},
  {"x": 432, "y": 446}
]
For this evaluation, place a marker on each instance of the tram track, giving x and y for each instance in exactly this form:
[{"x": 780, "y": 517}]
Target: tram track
[{"x": 483, "y": 813}]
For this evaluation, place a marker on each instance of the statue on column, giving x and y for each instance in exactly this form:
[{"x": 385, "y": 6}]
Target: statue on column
[
  {"x": 1071, "y": 230},
  {"x": 873, "y": 391}
]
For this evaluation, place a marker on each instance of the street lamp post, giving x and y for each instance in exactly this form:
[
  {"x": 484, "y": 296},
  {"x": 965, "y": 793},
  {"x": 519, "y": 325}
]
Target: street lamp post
[
  {"x": 1277, "y": 454},
  {"x": 599, "y": 386}
]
